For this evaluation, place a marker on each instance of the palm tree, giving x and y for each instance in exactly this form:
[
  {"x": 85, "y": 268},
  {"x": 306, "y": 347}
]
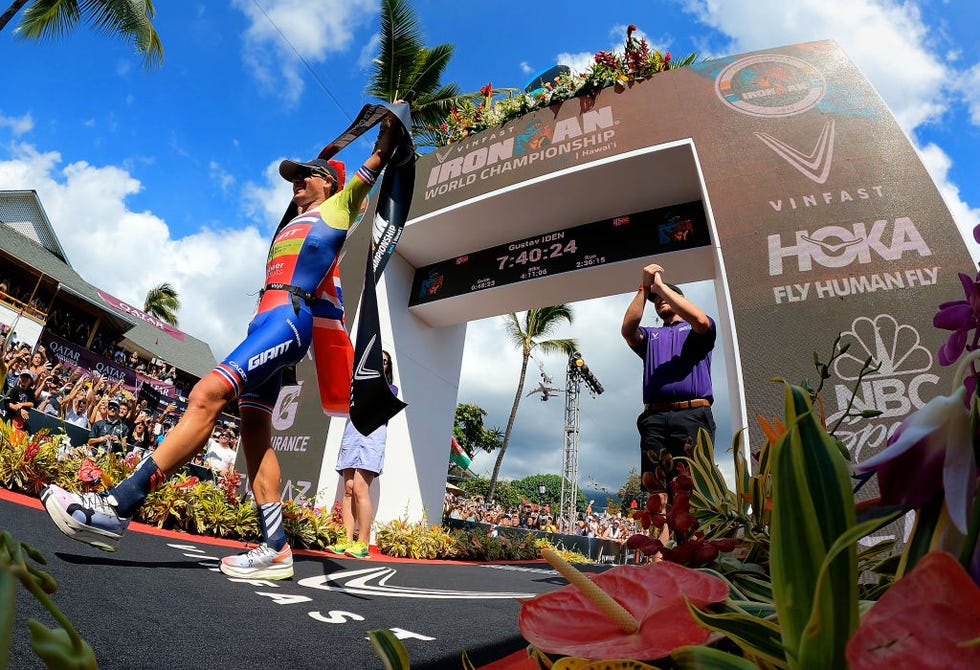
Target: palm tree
[
  {"x": 538, "y": 322},
  {"x": 162, "y": 302},
  {"x": 130, "y": 19},
  {"x": 406, "y": 69}
]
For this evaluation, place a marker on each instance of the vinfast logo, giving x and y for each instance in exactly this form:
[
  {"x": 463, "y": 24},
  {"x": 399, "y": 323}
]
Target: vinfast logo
[
  {"x": 536, "y": 141},
  {"x": 271, "y": 352},
  {"x": 814, "y": 165},
  {"x": 837, "y": 246}
]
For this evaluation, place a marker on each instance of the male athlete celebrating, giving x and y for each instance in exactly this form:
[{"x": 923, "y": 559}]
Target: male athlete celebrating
[{"x": 299, "y": 289}]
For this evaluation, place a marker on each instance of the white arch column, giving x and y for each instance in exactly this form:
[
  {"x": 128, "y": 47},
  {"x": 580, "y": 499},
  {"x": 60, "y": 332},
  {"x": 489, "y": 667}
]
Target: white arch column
[{"x": 427, "y": 364}]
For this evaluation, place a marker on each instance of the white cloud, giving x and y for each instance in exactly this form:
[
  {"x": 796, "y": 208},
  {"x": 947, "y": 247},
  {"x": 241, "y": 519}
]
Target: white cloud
[
  {"x": 891, "y": 45},
  {"x": 938, "y": 163},
  {"x": 283, "y": 33},
  {"x": 968, "y": 85},
  {"x": 608, "y": 439},
  {"x": 18, "y": 124},
  {"x": 220, "y": 176},
  {"x": 579, "y": 62},
  {"x": 369, "y": 51},
  {"x": 126, "y": 252},
  {"x": 887, "y": 40}
]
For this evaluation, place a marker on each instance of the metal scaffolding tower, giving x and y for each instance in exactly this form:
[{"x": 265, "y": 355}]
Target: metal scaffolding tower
[{"x": 578, "y": 372}]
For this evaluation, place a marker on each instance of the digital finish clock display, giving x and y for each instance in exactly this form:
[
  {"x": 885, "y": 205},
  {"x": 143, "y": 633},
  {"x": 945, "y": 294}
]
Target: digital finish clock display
[{"x": 598, "y": 243}]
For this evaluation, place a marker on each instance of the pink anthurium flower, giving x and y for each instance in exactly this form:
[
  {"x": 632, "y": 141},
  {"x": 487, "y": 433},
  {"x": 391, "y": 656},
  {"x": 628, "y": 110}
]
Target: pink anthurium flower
[
  {"x": 89, "y": 471},
  {"x": 926, "y": 619},
  {"x": 566, "y": 622},
  {"x": 932, "y": 451}
]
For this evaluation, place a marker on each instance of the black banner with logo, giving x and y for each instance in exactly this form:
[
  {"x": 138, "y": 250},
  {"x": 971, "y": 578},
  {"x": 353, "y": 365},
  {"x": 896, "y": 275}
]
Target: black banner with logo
[{"x": 372, "y": 403}]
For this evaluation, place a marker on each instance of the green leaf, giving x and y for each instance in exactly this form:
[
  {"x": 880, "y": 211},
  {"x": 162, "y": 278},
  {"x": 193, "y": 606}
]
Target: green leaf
[
  {"x": 843, "y": 543},
  {"x": 754, "y": 587},
  {"x": 55, "y": 647},
  {"x": 8, "y": 601},
  {"x": 812, "y": 507},
  {"x": 390, "y": 649},
  {"x": 706, "y": 658},
  {"x": 754, "y": 636}
]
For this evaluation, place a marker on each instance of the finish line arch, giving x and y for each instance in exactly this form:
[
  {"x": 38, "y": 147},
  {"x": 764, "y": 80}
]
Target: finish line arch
[{"x": 809, "y": 209}]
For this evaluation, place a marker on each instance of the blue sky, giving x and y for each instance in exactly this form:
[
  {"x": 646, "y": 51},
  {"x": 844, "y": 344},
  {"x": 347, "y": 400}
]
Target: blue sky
[{"x": 169, "y": 174}]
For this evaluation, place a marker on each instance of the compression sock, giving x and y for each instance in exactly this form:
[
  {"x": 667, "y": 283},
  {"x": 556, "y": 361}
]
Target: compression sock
[
  {"x": 270, "y": 518},
  {"x": 131, "y": 492}
]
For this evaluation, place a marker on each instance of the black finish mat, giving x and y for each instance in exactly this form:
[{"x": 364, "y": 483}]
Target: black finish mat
[{"x": 160, "y": 602}]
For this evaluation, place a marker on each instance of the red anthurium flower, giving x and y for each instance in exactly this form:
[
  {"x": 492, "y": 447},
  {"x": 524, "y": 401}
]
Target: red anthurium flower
[
  {"x": 566, "y": 622},
  {"x": 924, "y": 620},
  {"x": 931, "y": 451},
  {"x": 32, "y": 450},
  {"x": 191, "y": 481},
  {"x": 89, "y": 471}
]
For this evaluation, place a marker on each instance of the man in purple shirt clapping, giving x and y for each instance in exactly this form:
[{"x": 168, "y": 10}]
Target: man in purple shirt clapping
[{"x": 677, "y": 392}]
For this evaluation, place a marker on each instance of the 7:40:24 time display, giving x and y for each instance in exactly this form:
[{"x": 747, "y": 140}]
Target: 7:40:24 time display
[{"x": 536, "y": 254}]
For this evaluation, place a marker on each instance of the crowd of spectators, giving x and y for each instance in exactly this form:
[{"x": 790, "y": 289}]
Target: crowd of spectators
[
  {"x": 76, "y": 326},
  {"x": 22, "y": 297},
  {"x": 604, "y": 525},
  {"x": 117, "y": 421}
]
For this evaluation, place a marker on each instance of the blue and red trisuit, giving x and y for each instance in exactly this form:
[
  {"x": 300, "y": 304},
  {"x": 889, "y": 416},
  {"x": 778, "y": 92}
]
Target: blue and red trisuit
[{"x": 301, "y": 305}]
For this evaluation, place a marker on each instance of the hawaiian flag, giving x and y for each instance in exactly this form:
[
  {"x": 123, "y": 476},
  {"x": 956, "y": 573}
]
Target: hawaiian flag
[{"x": 457, "y": 455}]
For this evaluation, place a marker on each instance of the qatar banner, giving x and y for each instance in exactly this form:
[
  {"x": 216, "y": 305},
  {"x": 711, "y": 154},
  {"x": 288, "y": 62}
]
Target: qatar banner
[
  {"x": 72, "y": 355},
  {"x": 823, "y": 214},
  {"x": 149, "y": 319}
]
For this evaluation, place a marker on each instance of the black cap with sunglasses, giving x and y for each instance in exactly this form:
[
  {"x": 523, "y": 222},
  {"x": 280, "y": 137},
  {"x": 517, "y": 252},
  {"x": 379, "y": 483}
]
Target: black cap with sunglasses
[{"x": 291, "y": 170}]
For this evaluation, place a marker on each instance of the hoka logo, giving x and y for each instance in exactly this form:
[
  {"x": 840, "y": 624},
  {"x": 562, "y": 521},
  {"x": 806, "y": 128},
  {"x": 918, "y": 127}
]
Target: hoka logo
[
  {"x": 272, "y": 352},
  {"x": 837, "y": 246}
]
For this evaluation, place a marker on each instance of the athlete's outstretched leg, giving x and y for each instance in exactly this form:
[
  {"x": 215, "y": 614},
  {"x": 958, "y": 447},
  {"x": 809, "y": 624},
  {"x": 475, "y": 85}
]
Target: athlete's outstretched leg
[
  {"x": 99, "y": 519},
  {"x": 272, "y": 559}
]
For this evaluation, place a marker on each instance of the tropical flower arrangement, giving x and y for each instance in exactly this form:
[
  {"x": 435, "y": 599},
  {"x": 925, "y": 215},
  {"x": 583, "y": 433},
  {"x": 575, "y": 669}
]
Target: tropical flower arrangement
[
  {"x": 636, "y": 62},
  {"x": 213, "y": 508},
  {"x": 797, "y": 590},
  {"x": 29, "y": 462}
]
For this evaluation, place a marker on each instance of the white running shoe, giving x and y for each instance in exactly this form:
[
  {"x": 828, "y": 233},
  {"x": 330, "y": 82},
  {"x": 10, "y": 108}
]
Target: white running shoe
[{"x": 262, "y": 562}]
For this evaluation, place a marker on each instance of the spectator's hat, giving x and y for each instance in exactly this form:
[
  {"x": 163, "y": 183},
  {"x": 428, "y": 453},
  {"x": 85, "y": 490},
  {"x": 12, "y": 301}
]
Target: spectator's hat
[
  {"x": 290, "y": 170},
  {"x": 673, "y": 287},
  {"x": 26, "y": 373},
  {"x": 113, "y": 402}
]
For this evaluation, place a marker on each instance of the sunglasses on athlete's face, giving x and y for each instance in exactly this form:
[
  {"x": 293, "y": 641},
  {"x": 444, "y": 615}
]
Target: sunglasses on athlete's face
[{"x": 310, "y": 173}]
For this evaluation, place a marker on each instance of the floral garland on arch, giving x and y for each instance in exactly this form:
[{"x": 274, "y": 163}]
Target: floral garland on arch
[{"x": 636, "y": 62}]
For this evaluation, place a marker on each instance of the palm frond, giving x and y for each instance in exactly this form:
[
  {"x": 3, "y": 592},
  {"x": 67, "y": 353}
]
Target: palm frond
[
  {"x": 129, "y": 19},
  {"x": 401, "y": 40},
  {"x": 47, "y": 19},
  {"x": 558, "y": 346},
  {"x": 514, "y": 330},
  {"x": 429, "y": 66},
  {"x": 542, "y": 321}
]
